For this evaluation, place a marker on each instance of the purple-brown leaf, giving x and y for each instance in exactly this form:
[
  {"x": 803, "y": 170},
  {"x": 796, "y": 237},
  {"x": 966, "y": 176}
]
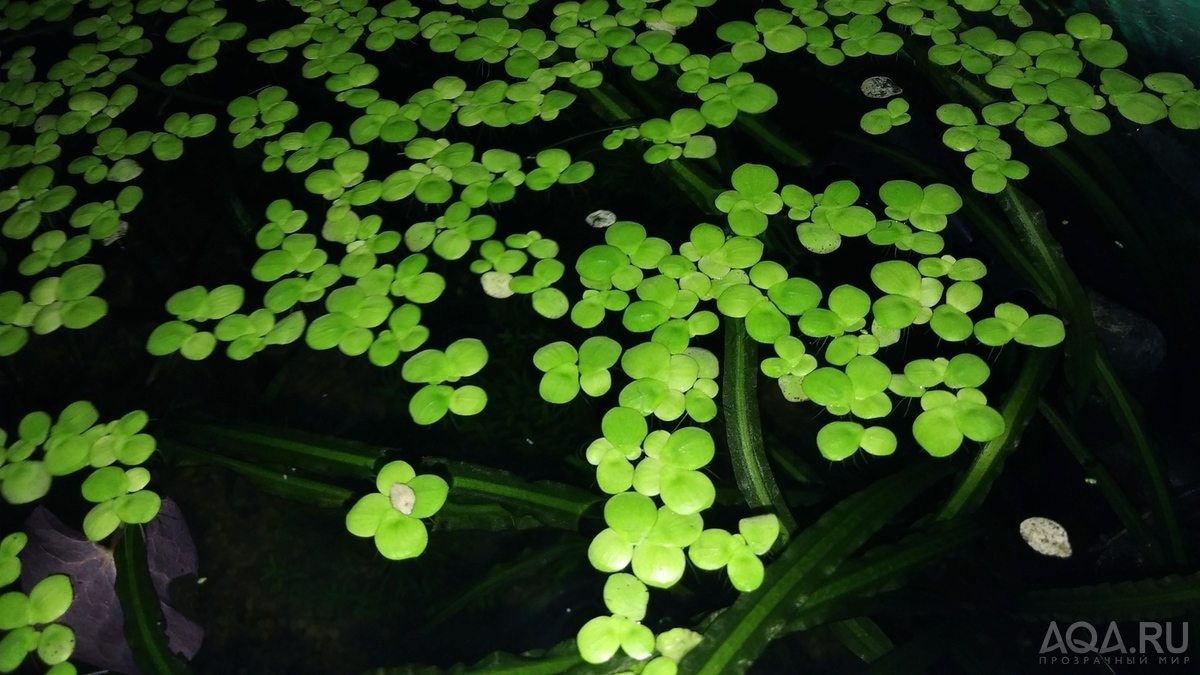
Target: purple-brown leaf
[{"x": 95, "y": 614}]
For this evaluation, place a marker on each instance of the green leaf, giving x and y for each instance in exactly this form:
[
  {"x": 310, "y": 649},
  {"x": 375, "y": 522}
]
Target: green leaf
[
  {"x": 624, "y": 427},
  {"x": 1041, "y": 330},
  {"x": 754, "y": 97},
  {"x": 937, "y": 432},
  {"x": 137, "y": 507},
  {"x": 168, "y": 337},
  {"x": 22, "y": 223},
  {"x": 79, "y": 282},
  {"x": 139, "y": 600},
  {"x": 24, "y": 482},
  {"x": 897, "y": 277},
  {"x": 755, "y": 181},
  {"x": 735, "y": 639},
  {"x": 430, "y": 492},
  {"x": 1145, "y": 599},
  {"x": 430, "y": 403},
  {"x": 67, "y": 456},
  {"x": 839, "y": 440},
  {"x": 468, "y": 400},
  {"x": 688, "y": 448},
  {"x": 55, "y": 646}
]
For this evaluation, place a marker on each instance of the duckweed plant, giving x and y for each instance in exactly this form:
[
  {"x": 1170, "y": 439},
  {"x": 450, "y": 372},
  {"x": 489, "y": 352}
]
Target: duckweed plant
[{"x": 670, "y": 330}]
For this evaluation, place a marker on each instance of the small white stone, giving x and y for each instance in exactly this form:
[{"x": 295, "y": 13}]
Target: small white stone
[
  {"x": 403, "y": 498},
  {"x": 880, "y": 87},
  {"x": 1046, "y": 537},
  {"x": 601, "y": 218}
]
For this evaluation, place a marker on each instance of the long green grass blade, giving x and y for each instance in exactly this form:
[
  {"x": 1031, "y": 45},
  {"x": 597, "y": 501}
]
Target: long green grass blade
[
  {"x": 553, "y": 504},
  {"x": 743, "y": 428},
  {"x": 530, "y": 565},
  {"x": 143, "y": 617},
  {"x": 1127, "y": 601},
  {"x": 881, "y": 568},
  {"x": 1071, "y": 302},
  {"x": 916, "y": 655},
  {"x": 1112, "y": 491},
  {"x": 320, "y": 455},
  {"x": 561, "y": 659},
  {"x": 863, "y": 637},
  {"x": 739, "y": 634},
  {"x": 1129, "y": 417},
  {"x": 1018, "y": 408},
  {"x": 280, "y": 482}
]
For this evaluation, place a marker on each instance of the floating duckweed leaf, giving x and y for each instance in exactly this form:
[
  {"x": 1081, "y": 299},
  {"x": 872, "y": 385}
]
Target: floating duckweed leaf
[
  {"x": 828, "y": 387},
  {"x": 965, "y": 370},
  {"x": 977, "y": 422},
  {"x": 878, "y": 441},
  {"x": 951, "y": 323},
  {"x": 765, "y": 323},
  {"x": 79, "y": 282},
  {"x": 738, "y": 300},
  {"x": 1103, "y": 52},
  {"x": 599, "y": 263},
  {"x": 626, "y": 596},
  {"x": 430, "y": 404},
  {"x": 1042, "y": 330},
  {"x": 24, "y": 482},
  {"x": 198, "y": 346},
  {"x": 795, "y": 296},
  {"x": 1141, "y": 107},
  {"x": 839, "y": 440},
  {"x": 137, "y": 507},
  {"x": 937, "y": 432},
  {"x": 895, "y": 312},
  {"x": 897, "y": 277}
]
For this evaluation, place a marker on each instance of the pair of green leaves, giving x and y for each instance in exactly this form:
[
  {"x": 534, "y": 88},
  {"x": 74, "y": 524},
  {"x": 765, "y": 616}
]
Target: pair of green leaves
[
  {"x": 20, "y": 614},
  {"x": 462, "y": 358}
]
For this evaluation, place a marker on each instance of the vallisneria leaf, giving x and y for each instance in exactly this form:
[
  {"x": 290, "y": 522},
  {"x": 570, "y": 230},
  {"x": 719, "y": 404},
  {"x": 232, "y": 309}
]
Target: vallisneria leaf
[{"x": 739, "y": 634}]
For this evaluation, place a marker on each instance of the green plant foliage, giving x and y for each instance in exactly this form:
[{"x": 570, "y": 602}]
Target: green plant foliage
[
  {"x": 71, "y": 444},
  {"x": 46, "y": 602},
  {"x": 881, "y": 121},
  {"x": 462, "y": 358},
  {"x": 384, "y": 194},
  {"x": 393, "y": 514},
  {"x": 651, "y": 539},
  {"x": 741, "y": 632},
  {"x": 74, "y": 441},
  {"x": 567, "y": 370},
  {"x": 738, "y": 553}
]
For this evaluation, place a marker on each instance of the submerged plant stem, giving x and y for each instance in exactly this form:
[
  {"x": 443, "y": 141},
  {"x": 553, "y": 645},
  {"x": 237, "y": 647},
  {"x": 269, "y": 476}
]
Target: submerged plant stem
[
  {"x": 1127, "y": 415},
  {"x": 743, "y": 427},
  {"x": 1017, "y": 410},
  {"x": 1104, "y": 480}
]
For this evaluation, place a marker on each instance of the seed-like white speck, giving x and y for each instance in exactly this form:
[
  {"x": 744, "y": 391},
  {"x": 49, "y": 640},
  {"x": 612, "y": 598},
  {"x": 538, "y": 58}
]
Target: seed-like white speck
[
  {"x": 403, "y": 498},
  {"x": 661, "y": 25},
  {"x": 121, "y": 231},
  {"x": 496, "y": 284}
]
